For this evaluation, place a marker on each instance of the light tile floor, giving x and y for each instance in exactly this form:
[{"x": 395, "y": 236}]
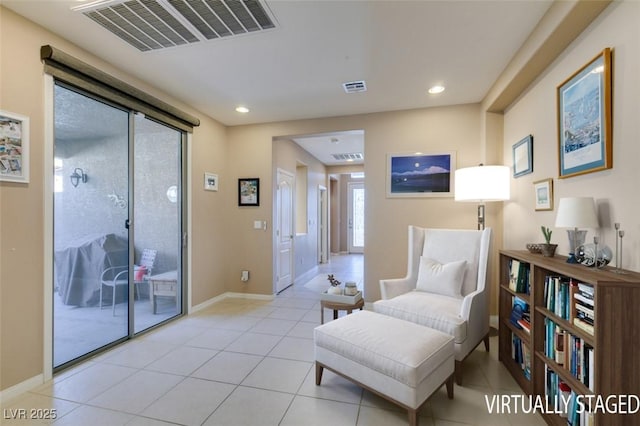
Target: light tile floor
[{"x": 247, "y": 362}]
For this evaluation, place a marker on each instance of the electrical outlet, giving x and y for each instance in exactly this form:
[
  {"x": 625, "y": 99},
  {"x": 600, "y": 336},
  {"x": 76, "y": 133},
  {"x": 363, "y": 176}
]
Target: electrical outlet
[{"x": 244, "y": 276}]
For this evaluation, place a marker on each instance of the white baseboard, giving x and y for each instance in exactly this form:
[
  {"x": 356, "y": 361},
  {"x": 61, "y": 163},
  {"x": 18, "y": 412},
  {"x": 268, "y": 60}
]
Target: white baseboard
[
  {"x": 252, "y": 296},
  {"x": 16, "y": 390},
  {"x": 227, "y": 295}
]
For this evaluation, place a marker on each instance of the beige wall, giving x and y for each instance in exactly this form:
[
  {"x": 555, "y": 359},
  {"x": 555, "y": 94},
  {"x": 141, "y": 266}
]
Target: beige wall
[
  {"x": 615, "y": 190},
  {"x": 455, "y": 128},
  {"x": 21, "y": 205}
]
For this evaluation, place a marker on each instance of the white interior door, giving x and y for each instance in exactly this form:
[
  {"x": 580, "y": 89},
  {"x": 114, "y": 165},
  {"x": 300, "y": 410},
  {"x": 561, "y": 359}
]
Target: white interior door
[
  {"x": 355, "y": 223},
  {"x": 284, "y": 231}
]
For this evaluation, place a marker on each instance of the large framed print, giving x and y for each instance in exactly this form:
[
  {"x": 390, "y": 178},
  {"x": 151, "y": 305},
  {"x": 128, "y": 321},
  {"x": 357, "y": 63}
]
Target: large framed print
[
  {"x": 420, "y": 174},
  {"x": 584, "y": 119},
  {"x": 14, "y": 147}
]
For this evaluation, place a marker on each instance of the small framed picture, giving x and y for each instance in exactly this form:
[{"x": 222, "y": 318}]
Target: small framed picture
[
  {"x": 210, "y": 182},
  {"x": 249, "y": 192},
  {"x": 14, "y": 147},
  {"x": 523, "y": 157},
  {"x": 544, "y": 194}
]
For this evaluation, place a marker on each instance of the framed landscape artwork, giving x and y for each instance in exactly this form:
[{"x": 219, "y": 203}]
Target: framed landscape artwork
[
  {"x": 584, "y": 119},
  {"x": 420, "y": 174},
  {"x": 544, "y": 194}
]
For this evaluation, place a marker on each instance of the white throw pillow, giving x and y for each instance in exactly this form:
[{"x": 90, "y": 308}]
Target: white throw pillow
[{"x": 445, "y": 279}]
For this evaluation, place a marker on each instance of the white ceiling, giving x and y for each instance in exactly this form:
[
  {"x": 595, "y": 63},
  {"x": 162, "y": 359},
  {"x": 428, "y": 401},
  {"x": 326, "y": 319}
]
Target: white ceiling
[{"x": 400, "y": 48}]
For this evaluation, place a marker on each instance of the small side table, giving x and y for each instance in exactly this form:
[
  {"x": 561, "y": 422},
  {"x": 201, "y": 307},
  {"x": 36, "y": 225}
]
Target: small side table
[
  {"x": 335, "y": 306},
  {"x": 165, "y": 284}
]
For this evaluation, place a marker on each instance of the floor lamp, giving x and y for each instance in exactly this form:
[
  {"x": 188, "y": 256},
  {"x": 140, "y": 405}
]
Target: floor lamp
[{"x": 482, "y": 184}]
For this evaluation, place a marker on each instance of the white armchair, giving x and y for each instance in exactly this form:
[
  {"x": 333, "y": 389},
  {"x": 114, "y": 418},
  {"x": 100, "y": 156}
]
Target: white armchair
[{"x": 445, "y": 287}]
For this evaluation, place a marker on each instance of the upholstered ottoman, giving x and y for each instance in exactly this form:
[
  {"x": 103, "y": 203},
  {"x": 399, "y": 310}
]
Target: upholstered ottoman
[{"x": 398, "y": 360}]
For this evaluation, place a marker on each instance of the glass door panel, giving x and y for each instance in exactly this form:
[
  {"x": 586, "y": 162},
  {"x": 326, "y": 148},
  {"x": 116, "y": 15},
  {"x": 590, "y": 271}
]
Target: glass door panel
[
  {"x": 90, "y": 235},
  {"x": 157, "y": 223},
  {"x": 356, "y": 217}
]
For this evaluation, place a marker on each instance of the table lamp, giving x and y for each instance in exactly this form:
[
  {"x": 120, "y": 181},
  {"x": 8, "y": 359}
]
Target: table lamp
[
  {"x": 576, "y": 212},
  {"x": 482, "y": 184}
]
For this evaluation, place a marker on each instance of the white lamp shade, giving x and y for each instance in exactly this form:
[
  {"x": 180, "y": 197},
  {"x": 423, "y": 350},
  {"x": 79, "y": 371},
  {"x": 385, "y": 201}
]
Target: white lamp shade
[
  {"x": 577, "y": 212},
  {"x": 483, "y": 183}
]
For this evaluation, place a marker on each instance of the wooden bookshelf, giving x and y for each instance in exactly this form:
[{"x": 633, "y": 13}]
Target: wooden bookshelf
[{"x": 615, "y": 341}]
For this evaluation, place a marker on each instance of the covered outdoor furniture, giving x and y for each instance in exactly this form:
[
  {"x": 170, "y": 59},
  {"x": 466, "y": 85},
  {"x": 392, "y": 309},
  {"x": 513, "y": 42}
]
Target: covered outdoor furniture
[
  {"x": 445, "y": 287},
  {"x": 80, "y": 263},
  {"x": 398, "y": 360}
]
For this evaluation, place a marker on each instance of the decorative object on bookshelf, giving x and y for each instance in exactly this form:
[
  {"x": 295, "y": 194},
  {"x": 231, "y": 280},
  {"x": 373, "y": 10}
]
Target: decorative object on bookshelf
[
  {"x": 534, "y": 248},
  {"x": 548, "y": 249},
  {"x": 619, "y": 235},
  {"x": 576, "y": 212},
  {"x": 586, "y": 255}
]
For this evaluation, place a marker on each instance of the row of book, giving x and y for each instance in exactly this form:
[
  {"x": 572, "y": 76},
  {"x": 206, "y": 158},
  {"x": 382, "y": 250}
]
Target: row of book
[
  {"x": 571, "y": 352},
  {"x": 566, "y": 402},
  {"x": 584, "y": 316},
  {"x": 519, "y": 276},
  {"x": 580, "y": 360},
  {"x": 570, "y": 300},
  {"x": 521, "y": 354},
  {"x": 521, "y": 314},
  {"x": 557, "y": 295}
]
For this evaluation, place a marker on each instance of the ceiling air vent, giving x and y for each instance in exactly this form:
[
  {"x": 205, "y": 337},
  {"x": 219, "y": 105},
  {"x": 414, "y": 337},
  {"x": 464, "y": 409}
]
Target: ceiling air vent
[
  {"x": 354, "y": 156},
  {"x": 157, "y": 24},
  {"x": 354, "y": 86}
]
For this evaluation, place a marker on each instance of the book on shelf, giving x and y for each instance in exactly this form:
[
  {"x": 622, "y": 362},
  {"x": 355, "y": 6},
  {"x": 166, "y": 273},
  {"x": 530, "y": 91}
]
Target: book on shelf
[
  {"x": 583, "y": 325},
  {"x": 560, "y": 338},
  {"x": 521, "y": 354},
  {"x": 519, "y": 276},
  {"x": 519, "y": 311},
  {"x": 514, "y": 271},
  {"x": 525, "y": 325}
]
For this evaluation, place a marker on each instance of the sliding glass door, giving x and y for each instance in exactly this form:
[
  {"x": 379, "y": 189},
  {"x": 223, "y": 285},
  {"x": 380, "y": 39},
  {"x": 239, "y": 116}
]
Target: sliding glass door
[
  {"x": 157, "y": 224},
  {"x": 91, "y": 239},
  {"x": 117, "y": 224}
]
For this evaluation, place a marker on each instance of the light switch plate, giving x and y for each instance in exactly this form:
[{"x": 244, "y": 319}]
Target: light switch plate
[{"x": 257, "y": 224}]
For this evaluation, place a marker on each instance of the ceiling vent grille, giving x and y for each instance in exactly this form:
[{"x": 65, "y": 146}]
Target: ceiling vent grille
[
  {"x": 353, "y": 156},
  {"x": 355, "y": 86},
  {"x": 158, "y": 24}
]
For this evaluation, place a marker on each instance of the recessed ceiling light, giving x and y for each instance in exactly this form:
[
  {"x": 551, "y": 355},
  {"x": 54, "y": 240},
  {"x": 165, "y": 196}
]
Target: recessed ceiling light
[
  {"x": 436, "y": 89},
  {"x": 242, "y": 109}
]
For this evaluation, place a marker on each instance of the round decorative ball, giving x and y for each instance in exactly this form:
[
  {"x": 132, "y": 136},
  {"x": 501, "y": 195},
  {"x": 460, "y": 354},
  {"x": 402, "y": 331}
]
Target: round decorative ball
[{"x": 586, "y": 254}]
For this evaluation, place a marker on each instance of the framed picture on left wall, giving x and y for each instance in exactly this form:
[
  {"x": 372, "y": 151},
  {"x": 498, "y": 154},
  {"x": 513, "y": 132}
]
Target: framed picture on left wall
[
  {"x": 14, "y": 147},
  {"x": 210, "y": 182}
]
